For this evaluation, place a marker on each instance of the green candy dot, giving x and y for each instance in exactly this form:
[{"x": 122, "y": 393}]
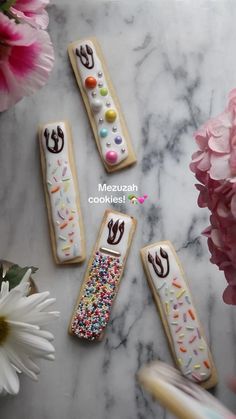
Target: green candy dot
[{"x": 103, "y": 91}]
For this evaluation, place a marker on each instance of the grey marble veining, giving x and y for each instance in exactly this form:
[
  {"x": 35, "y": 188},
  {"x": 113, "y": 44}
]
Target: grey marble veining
[{"x": 173, "y": 64}]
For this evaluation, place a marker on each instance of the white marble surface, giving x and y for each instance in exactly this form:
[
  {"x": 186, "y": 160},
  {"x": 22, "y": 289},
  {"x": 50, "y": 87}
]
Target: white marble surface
[{"x": 173, "y": 63}]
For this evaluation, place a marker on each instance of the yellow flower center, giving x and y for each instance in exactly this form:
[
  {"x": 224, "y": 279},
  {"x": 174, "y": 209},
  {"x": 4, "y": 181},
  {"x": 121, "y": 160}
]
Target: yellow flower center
[{"x": 4, "y": 330}]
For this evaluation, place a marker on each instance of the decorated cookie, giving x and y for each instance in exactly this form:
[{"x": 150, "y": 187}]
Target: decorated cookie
[
  {"x": 61, "y": 192},
  {"x": 103, "y": 276},
  {"x": 185, "y": 399},
  {"x": 174, "y": 302},
  {"x": 102, "y": 105}
]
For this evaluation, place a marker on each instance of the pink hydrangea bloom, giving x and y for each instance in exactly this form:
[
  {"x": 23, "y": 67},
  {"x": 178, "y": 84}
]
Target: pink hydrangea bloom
[
  {"x": 32, "y": 12},
  {"x": 214, "y": 166},
  {"x": 26, "y": 59}
]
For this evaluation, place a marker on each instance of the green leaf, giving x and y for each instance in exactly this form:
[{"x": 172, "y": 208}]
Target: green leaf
[
  {"x": 15, "y": 274},
  {"x": 6, "y": 4}
]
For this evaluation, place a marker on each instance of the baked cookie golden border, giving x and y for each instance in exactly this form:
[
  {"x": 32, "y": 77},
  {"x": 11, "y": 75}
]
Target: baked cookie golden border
[
  {"x": 61, "y": 192},
  {"x": 185, "y": 399},
  {"x": 102, "y": 105},
  {"x": 103, "y": 276},
  {"x": 173, "y": 299}
]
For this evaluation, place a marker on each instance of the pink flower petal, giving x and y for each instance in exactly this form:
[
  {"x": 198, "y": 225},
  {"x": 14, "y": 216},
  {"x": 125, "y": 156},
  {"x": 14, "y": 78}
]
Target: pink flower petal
[
  {"x": 232, "y": 100},
  {"x": 230, "y": 275},
  {"x": 15, "y": 34},
  {"x": 204, "y": 164},
  {"x": 233, "y": 205},
  {"x": 232, "y": 162},
  {"x": 232, "y": 94},
  {"x": 32, "y": 12},
  {"x": 197, "y": 156},
  {"x": 219, "y": 167},
  {"x": 222, "y": 210},
  {"x": 229, "y": 295},
  {"x": 33, "y": 5},
  {"x": 27, "y": 65},
  {"x": 37, "y": 19},
  {"x": 201, "y": 138},
  {"x": 216, "y": 126},
  {"x": 220, "y": 144},
  {"x": 207, "y": 232},
  {"x": 216, "y": 238}
]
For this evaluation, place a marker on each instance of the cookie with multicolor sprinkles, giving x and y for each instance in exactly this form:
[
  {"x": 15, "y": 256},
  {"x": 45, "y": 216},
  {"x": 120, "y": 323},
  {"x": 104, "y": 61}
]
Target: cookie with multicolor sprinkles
[
  {"x": 103, "y": 276},
  {"x": 61, "y": 193},
  {"x": 172, "y": 296}
]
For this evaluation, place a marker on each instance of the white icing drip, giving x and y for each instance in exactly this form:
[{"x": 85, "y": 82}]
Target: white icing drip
[
  {"x": 184, "y": 330},
  {"x": 63, "y": 202},
  {"x": 84, "y": 73},
  {"x": 122, "y": 246}
]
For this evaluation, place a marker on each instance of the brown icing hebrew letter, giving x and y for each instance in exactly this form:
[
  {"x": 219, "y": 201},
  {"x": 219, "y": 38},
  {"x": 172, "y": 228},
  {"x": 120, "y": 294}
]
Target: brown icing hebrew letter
[
  {"x": 158, "y": 265},
  {"x": 113, "y": 230}
]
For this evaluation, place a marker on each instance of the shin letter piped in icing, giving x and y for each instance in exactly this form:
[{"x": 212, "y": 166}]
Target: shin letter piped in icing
[
  {"x": 189, "y": 345},
  {"x": 105, "y": 113},
  {"x": 101, "y": 285},
  {"x": 62, "y": 191}
]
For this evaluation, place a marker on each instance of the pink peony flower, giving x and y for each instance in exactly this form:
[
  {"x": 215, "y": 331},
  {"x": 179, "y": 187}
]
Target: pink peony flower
[
  {"x": 32, "y": 12},
  {"x": 214, "y": 166},
  {"x": 26, "y": 59}
]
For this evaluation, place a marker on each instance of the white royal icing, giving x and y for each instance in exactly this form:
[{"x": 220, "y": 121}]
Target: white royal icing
[
  {"x": 190, "y": 347},
  {"x": 103, "y": 100},
  {"x": 122, "y": 246},
  {"x": 62, "y": 194}
]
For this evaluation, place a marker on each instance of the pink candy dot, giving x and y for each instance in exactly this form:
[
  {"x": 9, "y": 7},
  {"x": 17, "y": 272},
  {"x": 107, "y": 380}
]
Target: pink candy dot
[
  {"x": 141, "y": 200},
  {"x": 111, "y": 156}
]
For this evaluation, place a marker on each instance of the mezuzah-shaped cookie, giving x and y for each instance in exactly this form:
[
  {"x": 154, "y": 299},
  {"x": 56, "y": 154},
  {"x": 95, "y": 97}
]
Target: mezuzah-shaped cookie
[
  {"x": 61, "y": 192},
  {"x": 185, "y": 399},
  {"x": 174, "y": 302},
  {"x": 103, "y": 108},
  {"x": 103, "y": 276}
]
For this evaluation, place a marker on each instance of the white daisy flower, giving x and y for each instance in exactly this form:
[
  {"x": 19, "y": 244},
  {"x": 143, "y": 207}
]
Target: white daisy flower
[{"x": 22, "y": 340}]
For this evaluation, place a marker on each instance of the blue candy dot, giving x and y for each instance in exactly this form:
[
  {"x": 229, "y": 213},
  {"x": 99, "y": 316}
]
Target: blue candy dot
[
  {"x": 103, "y": 132},
  {"x": 118, "y": 140}
]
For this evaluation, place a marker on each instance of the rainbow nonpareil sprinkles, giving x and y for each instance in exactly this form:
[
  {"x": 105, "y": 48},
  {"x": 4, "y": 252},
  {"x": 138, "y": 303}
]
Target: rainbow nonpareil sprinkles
[{"x": 93, "y": 311}]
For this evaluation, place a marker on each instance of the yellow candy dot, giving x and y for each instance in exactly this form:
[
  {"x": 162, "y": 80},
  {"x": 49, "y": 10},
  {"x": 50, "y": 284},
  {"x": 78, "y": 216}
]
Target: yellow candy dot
[{"x": 110, "y": 115}]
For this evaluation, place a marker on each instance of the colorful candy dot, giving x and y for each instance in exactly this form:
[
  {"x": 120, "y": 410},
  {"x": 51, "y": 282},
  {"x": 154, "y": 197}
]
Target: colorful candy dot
[
  {"x": 103, "y": 91},
  {"x": 96, "y": 105},
  {"x": 111, "y": 156},
  {"x": 90, "y": 82},
  {"x": 110, "y": 115},
  {"x": 118, "y": 139},
  {"x": 103, "y": 132}
]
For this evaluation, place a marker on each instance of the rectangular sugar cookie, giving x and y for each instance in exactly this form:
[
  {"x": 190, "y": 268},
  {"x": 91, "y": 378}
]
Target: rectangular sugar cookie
[
  {"x": 61, "y": 192},
  {"x": 102, "y": 105},
  {"x": 174, "y": 302},
  {"x": 184, "y": 398},
  {"x": 103, "y": 276}
]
